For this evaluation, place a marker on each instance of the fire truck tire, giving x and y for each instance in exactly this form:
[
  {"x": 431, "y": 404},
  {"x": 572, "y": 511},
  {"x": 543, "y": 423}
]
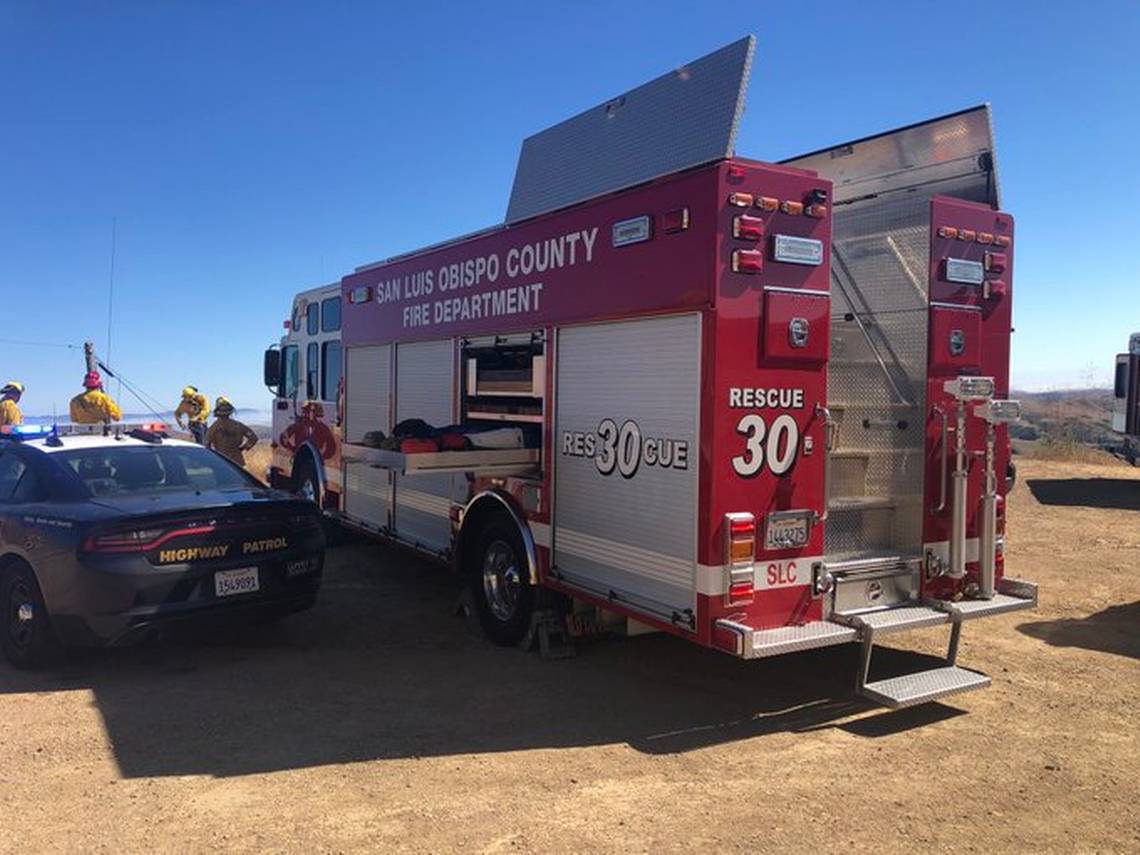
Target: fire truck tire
[
  {"x": 305, "y": 481},
  {"x": 497, "y": 575},
  {"x": 28, "y": 639},
  {"x": 307, "y": 486}
]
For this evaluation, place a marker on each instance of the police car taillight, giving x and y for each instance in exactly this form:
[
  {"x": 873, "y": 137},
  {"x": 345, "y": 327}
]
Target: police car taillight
[
  {"x": 140, "y": 539},
  {"x": 739, "y": 553}
]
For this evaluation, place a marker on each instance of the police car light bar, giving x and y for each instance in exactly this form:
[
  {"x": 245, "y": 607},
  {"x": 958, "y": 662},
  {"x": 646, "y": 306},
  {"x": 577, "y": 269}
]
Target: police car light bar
[{"x": 26, "y": 431}]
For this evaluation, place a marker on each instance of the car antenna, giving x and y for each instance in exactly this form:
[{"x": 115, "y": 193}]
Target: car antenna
[{"x": 52, "y": 440}]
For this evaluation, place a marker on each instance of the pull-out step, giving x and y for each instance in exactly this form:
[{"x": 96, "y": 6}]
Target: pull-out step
[
  {"x": 1000, "y": 604},
  {"x": 924, "y": 686},
  {"x": 921, "y": 686},
  {"x": 866, "y": 626},
  {"x": 895, "y": 620}
]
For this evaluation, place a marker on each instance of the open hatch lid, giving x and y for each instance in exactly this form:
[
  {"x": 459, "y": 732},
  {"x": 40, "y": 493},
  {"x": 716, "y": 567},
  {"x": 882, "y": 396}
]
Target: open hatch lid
[
  {"x": 952, "y": 155},
  {"x": 682, "y": 119}
]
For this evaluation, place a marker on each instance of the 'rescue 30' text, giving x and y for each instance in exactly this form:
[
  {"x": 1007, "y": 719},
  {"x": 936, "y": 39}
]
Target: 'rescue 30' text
[{"x": 624, "y": 449}]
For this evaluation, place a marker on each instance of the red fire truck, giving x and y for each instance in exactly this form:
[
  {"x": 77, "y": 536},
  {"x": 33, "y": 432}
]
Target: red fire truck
[
  {"x": 1126, "y": 400},
  {"x": 758, "y": 406}
]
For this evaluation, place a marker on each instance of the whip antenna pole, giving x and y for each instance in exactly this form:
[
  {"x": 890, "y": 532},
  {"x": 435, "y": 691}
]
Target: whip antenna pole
[{"x": 111, "y": 299}]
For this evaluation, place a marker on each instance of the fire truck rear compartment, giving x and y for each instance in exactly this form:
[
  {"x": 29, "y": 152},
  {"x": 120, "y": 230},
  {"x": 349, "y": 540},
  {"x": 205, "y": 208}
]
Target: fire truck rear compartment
[{"x": 871, "y": 577}]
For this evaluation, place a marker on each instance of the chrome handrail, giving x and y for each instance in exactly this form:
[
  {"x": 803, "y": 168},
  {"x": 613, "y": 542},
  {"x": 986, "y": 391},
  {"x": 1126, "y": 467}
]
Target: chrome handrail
[
  {"x": 941, "y": 413},
  {"x": 828, "y": 435}
]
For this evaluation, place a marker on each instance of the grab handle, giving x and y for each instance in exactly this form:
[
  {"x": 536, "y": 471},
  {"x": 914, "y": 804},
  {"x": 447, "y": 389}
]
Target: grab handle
[{"x": 945, "y": 434}]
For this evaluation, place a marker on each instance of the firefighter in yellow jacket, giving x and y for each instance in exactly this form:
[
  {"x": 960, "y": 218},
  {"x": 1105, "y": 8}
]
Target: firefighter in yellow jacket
[
  {"x": 10, "y": 403},
  {"x": 227, "y": 435},
  {"x": 195, "y": 408},
  {"x": 94, "y": 405}
]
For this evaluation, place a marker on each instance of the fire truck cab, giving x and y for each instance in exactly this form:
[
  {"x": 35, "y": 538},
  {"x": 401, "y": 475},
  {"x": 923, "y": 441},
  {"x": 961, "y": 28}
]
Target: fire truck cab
[
  {"x": 761, "y": 407},
  {"x": 303, "y": 372}
]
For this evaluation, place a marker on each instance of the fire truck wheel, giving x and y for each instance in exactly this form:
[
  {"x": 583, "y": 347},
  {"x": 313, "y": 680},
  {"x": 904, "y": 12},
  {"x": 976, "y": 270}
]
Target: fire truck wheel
[
  {"x": 28, "y": 639},
  {"x": 305, "y": 482},
  {"x": 497, "y": 575}
]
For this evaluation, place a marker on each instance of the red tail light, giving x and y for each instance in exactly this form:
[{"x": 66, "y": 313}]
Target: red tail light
[
  {"x": 747, "y": 261},
  {"x": 739, "y": 553},
  {"x": 742, "y": 590},
  {"x": 745, "y": 227},
  {"x": 141, "y": 539}
]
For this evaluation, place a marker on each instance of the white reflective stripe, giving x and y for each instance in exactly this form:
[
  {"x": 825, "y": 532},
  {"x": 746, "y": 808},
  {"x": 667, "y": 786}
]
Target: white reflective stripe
[
  {"x": 712, "y": 581},
  {"x": 610, "y": 553},
  {"x": 941, "y": 549},
  {"x": 439, "y": 506},
  {"x": 540, "y": 532}
]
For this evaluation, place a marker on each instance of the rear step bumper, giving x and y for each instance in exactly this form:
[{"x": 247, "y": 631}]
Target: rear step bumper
[
  {"x": 908, "y": 689},
  {"x": 761, "y": 643},
  {"x": 924, "y": 686}
]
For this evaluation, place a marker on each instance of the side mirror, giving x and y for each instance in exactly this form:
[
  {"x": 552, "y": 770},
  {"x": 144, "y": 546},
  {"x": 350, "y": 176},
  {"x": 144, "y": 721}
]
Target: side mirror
[{"x": 272, "y": 368}]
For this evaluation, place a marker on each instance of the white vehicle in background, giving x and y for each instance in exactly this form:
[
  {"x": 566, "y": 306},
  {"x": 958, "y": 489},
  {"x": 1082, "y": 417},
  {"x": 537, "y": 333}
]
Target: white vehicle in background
[
  {"x": 1126, "y": 403},
  {"x": 304, "y": 373}
]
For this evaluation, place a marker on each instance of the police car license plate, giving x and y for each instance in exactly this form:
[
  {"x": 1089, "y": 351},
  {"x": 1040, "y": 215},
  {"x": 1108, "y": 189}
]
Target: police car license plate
[{"x": 244, "y": 580}]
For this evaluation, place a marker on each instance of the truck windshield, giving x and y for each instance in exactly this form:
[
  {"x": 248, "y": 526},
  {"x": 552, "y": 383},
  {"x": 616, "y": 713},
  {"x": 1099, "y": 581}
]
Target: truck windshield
[{"x": 134, "y": 470}]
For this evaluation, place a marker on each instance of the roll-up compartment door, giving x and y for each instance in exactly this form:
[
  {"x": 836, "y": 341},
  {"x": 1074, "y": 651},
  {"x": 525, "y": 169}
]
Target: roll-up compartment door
[
  {"x": 368, "y": 384},
  {"x": 625, "y": 472},
  {"x": 425, "y": 389},
  {"x": 367, "y": 391}
]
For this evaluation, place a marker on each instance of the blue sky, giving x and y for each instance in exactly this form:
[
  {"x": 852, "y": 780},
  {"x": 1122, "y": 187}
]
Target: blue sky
[{"x": 248, "y": 150}]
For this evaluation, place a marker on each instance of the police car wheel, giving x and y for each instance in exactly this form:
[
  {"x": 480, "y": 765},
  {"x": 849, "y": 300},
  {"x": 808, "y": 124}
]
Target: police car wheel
[
  {"x": 27, "y": 637},
  {"x": 497, "y": 576}
]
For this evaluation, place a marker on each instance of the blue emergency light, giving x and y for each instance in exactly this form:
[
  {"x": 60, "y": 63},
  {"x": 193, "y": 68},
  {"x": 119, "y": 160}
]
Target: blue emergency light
[{"x": 26, "y": 431}]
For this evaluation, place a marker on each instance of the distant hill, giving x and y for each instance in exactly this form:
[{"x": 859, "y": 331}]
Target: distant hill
[
  {"x": 248, "y": 415},
  {"x": 1073, "y": 415}
]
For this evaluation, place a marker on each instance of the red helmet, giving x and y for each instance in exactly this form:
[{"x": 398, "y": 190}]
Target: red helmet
[
  {"x": 92, "y": 380},
  {"x": 314, "y": 409}
]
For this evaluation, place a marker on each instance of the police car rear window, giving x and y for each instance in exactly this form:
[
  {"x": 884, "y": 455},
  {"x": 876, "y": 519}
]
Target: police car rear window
[{"x": 131, "y": 470}]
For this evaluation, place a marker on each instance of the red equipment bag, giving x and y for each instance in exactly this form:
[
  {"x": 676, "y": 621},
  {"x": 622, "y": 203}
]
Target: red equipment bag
[{"x": 418, "y": 446}]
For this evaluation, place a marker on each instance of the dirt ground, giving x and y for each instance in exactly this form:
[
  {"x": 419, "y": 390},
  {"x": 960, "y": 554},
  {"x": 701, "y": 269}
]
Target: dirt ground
[{"x": 378, "y": 721}]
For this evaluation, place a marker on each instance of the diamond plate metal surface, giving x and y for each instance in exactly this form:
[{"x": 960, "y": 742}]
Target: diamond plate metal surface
[
  {"x": 1001, "y": 603},
  {"x": 954, "y": 151},
  {"x": 789, "y": 639},
  {"x": 897, "y": 620},
  {"x": 878, "y": 366},
  {"x": 1020, "y": 588},
  {"x": 924, "y": 686},
  {"x": 682, "y": 119}
]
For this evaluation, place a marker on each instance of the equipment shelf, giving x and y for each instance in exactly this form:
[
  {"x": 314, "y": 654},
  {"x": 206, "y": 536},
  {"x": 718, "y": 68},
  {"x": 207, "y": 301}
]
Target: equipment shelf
[{"x": 505, "y": 461}]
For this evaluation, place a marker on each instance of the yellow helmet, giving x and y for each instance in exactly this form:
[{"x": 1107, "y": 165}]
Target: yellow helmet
[
  {"x": 189, "y": 391},
  {"x": 222, "y": 406},
  {"x": 13, "y": 386}
]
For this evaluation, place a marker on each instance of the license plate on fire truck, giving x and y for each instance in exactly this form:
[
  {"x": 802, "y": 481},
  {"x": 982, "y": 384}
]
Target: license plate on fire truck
[
  {"x": 243, "y": 580},
  {"x": 787, "y": 530}
]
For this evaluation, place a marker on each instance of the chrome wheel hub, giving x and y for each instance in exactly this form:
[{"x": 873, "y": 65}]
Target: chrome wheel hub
[
  {"x": 502, "y": 580},
  {"x": 308, "y": 491},
  {"x": 21, "y": 614}
]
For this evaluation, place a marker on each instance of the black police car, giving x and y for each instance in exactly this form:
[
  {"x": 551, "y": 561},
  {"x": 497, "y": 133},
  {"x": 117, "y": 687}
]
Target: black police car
[{"x": 104, "y": 538}]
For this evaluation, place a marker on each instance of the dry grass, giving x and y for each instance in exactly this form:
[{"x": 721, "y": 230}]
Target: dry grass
[
  {"x": 257, "y": 459},
  {"x": 1070, "y": 450}
]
